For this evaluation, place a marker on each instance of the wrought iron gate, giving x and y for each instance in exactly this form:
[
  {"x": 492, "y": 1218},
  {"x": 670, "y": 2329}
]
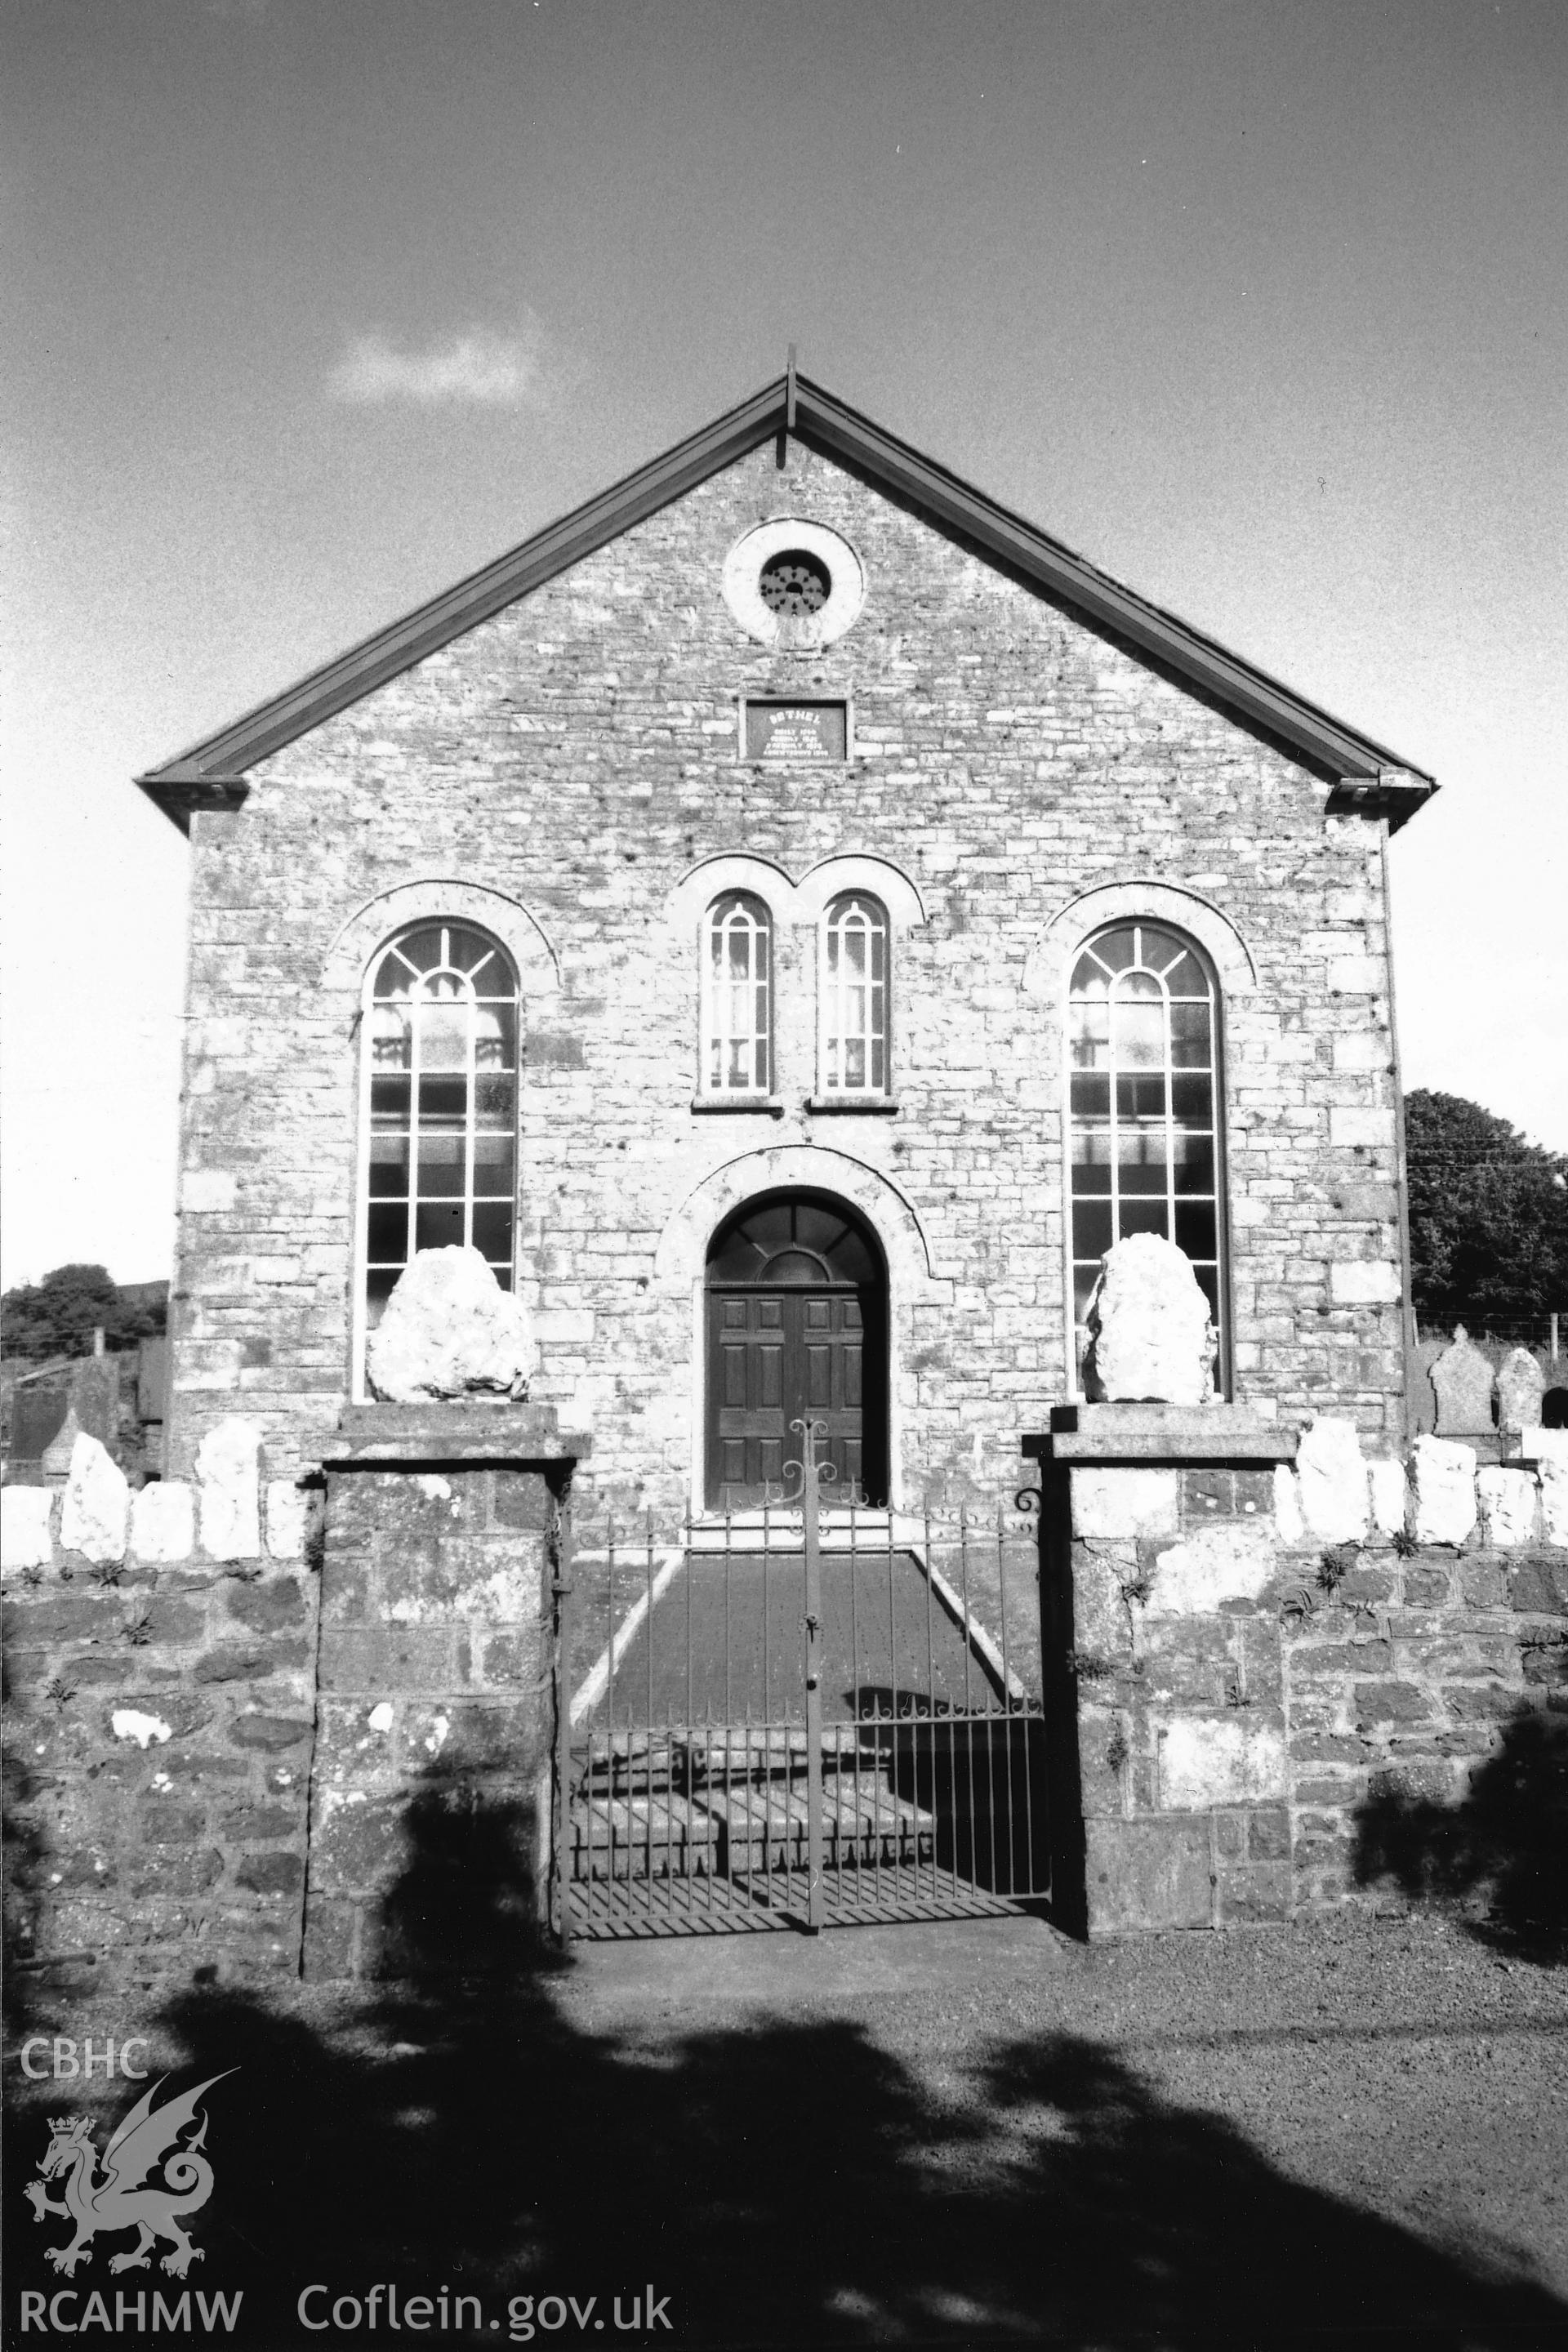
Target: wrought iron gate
[{"x": 802, "y": 1717}]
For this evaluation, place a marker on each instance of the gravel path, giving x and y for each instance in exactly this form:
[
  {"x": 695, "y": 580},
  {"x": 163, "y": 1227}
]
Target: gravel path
[
  {"x": 976, "y": 2133},
  {"x": 1405, "y": 2067}
]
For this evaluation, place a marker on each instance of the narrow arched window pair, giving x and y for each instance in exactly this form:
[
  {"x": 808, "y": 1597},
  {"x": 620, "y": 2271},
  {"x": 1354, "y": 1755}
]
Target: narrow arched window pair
[
  {"x": 1143, "y": 1052},
  {"x": 440, "y": 1104},
  {"x": 852, "y": 997}
]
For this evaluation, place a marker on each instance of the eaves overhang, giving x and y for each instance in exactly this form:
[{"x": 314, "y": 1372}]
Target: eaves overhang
[{"x": 1365, "y": 776}]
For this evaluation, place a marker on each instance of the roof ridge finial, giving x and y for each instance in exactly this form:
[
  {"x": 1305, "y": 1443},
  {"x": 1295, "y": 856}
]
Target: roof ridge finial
[{"x": 789, "y": 390}]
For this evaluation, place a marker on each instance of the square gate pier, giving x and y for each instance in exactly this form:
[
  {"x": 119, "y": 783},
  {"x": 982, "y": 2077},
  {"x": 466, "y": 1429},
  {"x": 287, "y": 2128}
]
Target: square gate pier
[
  {"x": 1167, "y": 1579},
  {"x": 430, "y": 1807}
]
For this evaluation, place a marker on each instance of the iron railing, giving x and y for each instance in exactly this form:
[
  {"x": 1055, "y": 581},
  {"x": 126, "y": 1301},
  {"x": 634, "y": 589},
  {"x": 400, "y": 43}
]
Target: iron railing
[{"x": 803, "y": 1716}]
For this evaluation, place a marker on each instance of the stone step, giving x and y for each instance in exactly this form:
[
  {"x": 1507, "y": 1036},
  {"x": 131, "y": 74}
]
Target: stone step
[{"x": 762, "y": 1825}]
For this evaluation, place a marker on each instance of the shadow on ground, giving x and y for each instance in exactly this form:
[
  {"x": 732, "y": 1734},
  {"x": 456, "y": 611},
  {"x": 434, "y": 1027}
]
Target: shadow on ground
[
  {"x": 780, "y": 2183},
  {"x": 1506, "y": 1846}
]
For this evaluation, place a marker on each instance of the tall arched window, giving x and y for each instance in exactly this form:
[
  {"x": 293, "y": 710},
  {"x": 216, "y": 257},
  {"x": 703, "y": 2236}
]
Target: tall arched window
[
  {"x": 737, "y": 996},
  {"x": 854, "y": 997},
  {"x": 1143, "y": 1047},
  {"x": 441, "y": 1079}
]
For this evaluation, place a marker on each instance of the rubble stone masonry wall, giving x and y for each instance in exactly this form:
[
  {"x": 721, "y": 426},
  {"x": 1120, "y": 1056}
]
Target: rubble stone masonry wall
[
  {"x": 240, "y": 1738},
  {"x": 247, "y": 1733},
  {"x": 1260, "y": 1650},
  {"x": 563, "y": 771},
  {"x": 161, "y": 1691}
]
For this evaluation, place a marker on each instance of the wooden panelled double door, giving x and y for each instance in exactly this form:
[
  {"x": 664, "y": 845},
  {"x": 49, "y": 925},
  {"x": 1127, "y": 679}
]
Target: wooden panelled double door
[{"x": 797, "y": 1330}]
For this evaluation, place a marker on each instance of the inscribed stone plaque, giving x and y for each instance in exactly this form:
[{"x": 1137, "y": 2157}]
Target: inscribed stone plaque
[{"x": 797, "y": 731}]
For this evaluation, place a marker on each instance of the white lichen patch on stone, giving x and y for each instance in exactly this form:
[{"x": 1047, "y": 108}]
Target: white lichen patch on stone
[
  {"x": 434, "y": 1487},
  {"x": 497, "y": 1600},
  {"x": 1219, "y": 1761},
  {"x": 380, "y": 1716},
  {"x": 440, "y": 1724},
  {"x": 1117, "y": 1502},
  {"x": 129, "y": 1723},
  {"x": 1228, "y": 1561}
]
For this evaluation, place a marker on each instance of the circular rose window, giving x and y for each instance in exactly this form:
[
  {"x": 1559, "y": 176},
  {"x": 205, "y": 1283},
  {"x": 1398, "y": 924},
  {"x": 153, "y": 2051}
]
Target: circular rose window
[{"x": 794, "y": 584}]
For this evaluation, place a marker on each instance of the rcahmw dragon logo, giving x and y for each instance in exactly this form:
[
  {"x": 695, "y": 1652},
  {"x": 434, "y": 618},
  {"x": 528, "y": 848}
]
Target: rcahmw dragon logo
[{"x": 124, "y": 2199}]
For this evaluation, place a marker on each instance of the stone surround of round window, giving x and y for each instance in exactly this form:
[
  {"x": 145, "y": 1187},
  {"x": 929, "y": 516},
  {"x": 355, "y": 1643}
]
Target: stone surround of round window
[{"x": 794, "y": 584}]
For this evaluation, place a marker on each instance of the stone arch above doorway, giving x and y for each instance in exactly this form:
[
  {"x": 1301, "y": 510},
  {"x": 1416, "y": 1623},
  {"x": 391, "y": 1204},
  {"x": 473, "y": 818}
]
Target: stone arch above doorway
[{"x": 681, "y": 1255}]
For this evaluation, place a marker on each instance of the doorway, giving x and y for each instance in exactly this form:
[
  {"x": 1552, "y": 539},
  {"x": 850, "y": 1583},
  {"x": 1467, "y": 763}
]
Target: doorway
[{"x": 797, "y": 1329}]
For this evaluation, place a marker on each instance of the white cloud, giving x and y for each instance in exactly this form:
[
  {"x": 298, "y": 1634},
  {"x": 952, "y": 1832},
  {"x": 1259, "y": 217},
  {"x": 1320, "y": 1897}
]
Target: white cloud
[{"x": 479, "y": 368}]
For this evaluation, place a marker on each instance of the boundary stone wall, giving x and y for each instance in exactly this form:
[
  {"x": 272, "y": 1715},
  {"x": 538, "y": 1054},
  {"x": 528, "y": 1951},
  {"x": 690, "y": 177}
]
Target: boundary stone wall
[
  {"x": 258, "y": 1726},
  {"x": 159, "y": 1653},
  {"x": 1260, "y": 1646},
  {"x": 208, "y": 1770}
]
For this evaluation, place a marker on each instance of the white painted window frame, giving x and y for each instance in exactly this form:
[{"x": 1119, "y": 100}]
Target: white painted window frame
[
  {"x": 1139, "y": 921},
  {"x": 833, "y": 989},
  {"x": 720, "y": 1032},
  {"x": 511, "y": 997}
]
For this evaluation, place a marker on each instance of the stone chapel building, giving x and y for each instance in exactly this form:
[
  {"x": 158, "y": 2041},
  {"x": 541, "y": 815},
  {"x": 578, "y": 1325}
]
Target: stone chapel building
[
  {"x": 790, "y": 916},
  {"x": 790, "y": 923},
  {"x": 787, "y": 922}
]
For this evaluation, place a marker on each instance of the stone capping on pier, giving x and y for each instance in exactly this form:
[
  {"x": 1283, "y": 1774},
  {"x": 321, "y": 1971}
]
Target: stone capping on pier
[
  {"x": 393, "y": 1436},
  {"x": 1164, "y": 1432}
]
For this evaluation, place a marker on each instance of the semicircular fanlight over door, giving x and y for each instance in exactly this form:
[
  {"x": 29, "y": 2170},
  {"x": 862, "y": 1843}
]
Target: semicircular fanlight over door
[{"x": 797, "y": 1328}]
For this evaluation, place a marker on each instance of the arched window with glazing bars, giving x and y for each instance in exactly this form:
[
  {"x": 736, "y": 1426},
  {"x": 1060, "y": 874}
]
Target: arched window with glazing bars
[
  {"x": 737, "y": 996},
  {"x": 1144, "y": 1029},
  {"x": 441, "y": 1065},
  {"x": 854, "y": 997}
]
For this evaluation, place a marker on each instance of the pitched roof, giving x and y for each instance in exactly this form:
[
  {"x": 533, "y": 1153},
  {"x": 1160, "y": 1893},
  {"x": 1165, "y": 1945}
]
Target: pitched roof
[{"x": 211, "y": 774}]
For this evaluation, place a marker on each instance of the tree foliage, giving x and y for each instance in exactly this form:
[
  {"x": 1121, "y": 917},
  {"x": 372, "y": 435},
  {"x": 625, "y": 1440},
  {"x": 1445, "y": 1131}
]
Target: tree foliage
[
  {"x": 58, "y": 1315},
  {"x": 1489, "y": 1216}
]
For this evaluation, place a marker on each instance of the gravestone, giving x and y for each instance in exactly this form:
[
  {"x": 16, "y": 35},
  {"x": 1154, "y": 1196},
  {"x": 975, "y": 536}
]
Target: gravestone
[
  {"x": 1462, "y": 1378},
  {"x": 1423, "y": 1398},
  {"x": 1149, "y": 1334},
  {"x": 37, "y": 1415},
  {"x": 1521, "y": 1384},
  {"x": 57, "y": 1456},
  {"x": 95, "y": 1398}
]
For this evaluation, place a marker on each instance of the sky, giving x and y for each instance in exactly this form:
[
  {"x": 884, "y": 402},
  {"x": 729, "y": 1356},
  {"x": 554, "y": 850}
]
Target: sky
[{"x": 316, "y": 305}]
